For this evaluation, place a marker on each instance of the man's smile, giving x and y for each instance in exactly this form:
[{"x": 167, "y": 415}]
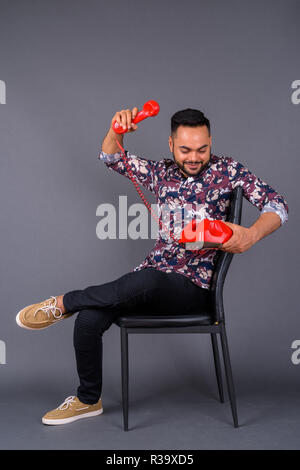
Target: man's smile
[{"x": 193, "y": 165}]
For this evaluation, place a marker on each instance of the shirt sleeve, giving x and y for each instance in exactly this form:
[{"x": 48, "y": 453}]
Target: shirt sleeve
[
  {"x": 259, "y": 193},
  {"x": 142, "y": 170}
]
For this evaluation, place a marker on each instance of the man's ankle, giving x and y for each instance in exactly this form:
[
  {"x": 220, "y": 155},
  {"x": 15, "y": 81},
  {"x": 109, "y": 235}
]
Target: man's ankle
[{"x": 59, "y": 303}]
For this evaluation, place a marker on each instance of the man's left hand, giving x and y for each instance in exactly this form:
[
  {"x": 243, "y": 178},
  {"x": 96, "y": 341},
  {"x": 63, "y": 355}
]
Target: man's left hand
[{"x": 241, "y": 239}]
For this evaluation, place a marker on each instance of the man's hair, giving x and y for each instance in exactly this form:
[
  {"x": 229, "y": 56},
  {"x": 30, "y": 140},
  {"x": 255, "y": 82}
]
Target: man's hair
[{"x": 188, "y": 117}]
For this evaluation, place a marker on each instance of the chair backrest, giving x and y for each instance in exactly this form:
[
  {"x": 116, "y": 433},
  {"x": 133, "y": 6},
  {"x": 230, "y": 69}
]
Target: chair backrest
[{"x": 223, "y": 259}]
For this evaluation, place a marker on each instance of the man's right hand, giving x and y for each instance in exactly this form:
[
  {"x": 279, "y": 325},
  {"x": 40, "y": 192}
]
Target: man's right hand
[{"x": 124, "y": 118}]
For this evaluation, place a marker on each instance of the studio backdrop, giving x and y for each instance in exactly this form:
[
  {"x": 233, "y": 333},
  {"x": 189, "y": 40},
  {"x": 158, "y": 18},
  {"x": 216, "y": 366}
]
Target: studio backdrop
[{"x": 66, "y": 67}]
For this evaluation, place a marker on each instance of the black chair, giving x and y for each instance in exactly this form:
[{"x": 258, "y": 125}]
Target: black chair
[{"x": 212, "y": 321}]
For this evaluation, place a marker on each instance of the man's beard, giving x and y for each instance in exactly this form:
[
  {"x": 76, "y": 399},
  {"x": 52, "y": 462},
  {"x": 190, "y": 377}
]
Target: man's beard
[{"x": 186, "y": 171}]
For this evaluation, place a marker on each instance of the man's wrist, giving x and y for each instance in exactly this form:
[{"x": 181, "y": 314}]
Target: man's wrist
[
  {"x": 264, "y": 225},
  {"x": 254, "y": 234},
  {"x": 109, "y": 143}
]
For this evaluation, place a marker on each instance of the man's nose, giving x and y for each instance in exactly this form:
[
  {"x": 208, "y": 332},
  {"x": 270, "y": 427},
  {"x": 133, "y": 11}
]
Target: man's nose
[{"x": 194, "y": 158}]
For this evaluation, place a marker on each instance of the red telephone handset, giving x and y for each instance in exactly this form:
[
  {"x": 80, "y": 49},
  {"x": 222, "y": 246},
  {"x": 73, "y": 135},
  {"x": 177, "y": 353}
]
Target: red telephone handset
[{"x": 150, "y": 108}]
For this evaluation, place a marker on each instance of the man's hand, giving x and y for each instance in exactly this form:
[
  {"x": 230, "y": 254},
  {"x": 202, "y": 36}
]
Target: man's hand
[
  {"x": 241, "y": 239},
  {"x": 125, "y": 118}
]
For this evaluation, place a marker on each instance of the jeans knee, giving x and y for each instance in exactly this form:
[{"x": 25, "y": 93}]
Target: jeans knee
[
  {"x": 88, "y": 329},
  {"x": 91, "y": 320},
  {"x": 90, "y": 324}
]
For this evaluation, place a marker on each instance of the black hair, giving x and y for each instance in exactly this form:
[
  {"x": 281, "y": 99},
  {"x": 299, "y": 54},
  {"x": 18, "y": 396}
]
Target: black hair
[{"x": 188, "y": 117}]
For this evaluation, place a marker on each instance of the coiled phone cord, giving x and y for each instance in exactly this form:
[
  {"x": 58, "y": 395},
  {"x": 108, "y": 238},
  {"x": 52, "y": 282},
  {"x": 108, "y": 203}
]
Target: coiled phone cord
[{"x": 140, "y": 193}]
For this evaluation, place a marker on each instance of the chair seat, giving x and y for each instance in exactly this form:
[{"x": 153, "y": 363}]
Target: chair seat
[{"x": 151, "y": 321}]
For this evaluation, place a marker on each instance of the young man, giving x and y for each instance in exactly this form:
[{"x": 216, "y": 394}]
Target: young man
[{"x": 171, "y": 279}]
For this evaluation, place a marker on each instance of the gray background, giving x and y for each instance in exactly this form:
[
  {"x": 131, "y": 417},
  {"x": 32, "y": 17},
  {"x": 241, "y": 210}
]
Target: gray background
[{"x": 68, "y": 67}]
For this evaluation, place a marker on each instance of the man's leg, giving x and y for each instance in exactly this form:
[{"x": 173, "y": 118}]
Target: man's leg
[
  {"x": 111, "y": 299},
  {"x": 89, "y": 327},
  {"x": 145, "y": 292},
  {"x": 87, "y": 339},
  {"x": 130, "y": 288}
]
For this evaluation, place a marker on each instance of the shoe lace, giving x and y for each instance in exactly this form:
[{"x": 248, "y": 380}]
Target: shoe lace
[
  {"x": 65, "y": 405},
  {"x": 50, "y": 308}
]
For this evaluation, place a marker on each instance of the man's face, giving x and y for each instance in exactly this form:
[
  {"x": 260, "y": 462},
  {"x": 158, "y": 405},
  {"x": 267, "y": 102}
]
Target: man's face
[{"x": 191, "y": 149}]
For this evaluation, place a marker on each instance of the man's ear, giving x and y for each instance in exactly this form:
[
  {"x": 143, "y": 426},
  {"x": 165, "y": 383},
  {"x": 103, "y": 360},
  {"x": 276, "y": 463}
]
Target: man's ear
[{"x": 170, "y": 143}]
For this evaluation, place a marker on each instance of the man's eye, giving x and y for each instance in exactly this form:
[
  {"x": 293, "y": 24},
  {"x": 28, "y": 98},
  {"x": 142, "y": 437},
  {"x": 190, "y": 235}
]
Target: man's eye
[{"x": 186, "y": 151}]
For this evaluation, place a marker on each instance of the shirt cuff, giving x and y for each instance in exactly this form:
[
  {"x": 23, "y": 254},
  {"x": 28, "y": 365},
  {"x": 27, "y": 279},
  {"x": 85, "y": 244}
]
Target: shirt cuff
[
  {"x": 278, "y": 209},
  {"x": 109, "y": 157}
]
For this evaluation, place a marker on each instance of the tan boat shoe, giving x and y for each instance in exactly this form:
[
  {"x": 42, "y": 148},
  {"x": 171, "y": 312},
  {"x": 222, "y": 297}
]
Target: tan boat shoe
[
  {"x": 41, "y": 315},
  {"x": 70, "y": 410}
]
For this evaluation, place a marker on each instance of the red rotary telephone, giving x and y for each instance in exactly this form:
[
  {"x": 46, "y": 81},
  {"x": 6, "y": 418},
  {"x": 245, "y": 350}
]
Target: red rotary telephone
[{"x": 208, "y": 233}]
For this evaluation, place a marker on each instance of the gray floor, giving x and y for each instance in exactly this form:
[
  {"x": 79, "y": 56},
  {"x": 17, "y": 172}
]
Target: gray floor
[{"x": 164, "y": 416}]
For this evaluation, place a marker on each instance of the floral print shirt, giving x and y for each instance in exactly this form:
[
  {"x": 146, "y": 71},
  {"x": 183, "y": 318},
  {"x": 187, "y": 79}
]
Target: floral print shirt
[{"x": 206, "y": 195}]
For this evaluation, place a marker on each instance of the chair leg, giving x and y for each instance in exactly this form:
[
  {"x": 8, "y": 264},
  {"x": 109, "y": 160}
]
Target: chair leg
[
  {"x": 229, "y": 377},
  {"x": 217, "y": 365},
  {"x": 124, "y": 368}
]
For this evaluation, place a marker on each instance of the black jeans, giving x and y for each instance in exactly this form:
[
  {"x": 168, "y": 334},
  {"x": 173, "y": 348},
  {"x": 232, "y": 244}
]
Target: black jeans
[{"x": 145, "y": 292}]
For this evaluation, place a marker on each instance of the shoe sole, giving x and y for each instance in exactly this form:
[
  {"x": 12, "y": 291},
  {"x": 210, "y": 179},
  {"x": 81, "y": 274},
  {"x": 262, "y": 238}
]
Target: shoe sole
[
  {"x": 19, "y": 323},
  {"x": 55, "y": 422}
]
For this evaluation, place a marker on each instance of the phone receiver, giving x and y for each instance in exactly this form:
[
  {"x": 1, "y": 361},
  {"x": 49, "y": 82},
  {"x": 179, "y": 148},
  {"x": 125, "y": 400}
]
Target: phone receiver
[
  {"x": 207, "y": 234},
  {"x": 150, "y": 108}
]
